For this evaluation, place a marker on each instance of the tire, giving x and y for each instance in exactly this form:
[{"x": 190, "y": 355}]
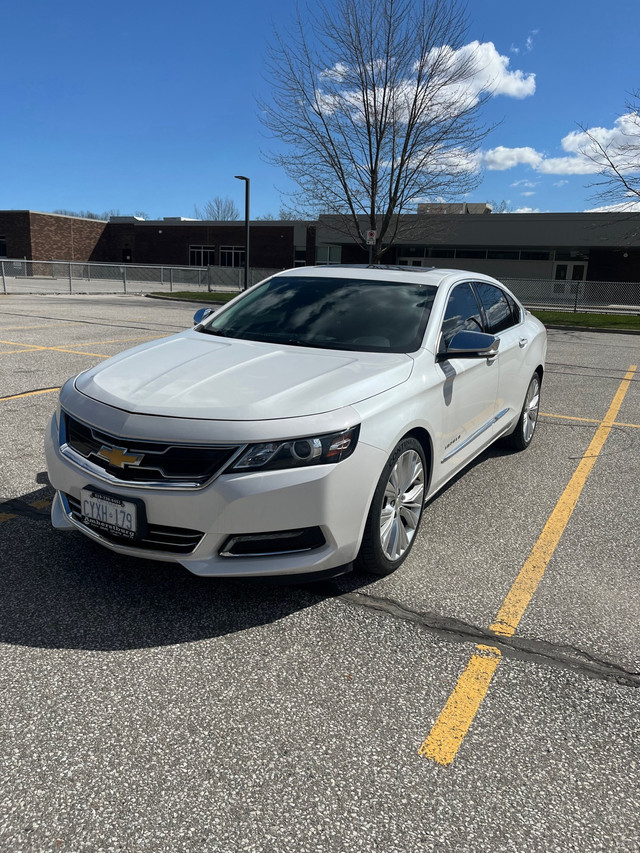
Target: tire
[
  {"x": 395, "y": 511},
  {"x": 522, "y": 435}
]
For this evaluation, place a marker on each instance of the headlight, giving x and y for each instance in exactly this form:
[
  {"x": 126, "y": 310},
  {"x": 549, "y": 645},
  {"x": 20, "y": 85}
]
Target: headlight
[{"x": 298, "y": 452}]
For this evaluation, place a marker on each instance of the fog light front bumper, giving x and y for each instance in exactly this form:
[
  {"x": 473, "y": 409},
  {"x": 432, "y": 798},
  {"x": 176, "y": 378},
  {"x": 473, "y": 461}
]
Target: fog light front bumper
[{"x": 273, "y": 544}]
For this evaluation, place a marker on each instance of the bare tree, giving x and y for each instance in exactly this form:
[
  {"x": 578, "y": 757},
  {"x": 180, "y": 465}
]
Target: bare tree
[
  {"x": 88, "y": 214},
  {"x": 617, "y": 156},
  {"x": 218, "y": 209},
  {"x": 502, "y": 206},
  {"x": 376, "y": 107}
]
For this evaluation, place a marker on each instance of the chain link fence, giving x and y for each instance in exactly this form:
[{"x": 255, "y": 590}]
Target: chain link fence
[
  {"x": 75, "y": 277},
  {"x": 608, "y": 297}
]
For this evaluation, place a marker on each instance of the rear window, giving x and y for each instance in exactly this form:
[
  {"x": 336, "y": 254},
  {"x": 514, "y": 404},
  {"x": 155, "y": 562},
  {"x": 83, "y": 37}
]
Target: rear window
[{"x": 331, "y": 313}]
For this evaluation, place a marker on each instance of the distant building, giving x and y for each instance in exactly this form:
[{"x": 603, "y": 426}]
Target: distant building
[{"x": 565, "y": 247}]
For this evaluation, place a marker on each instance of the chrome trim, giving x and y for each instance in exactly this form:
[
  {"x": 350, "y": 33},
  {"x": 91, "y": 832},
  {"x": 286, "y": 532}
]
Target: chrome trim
[
  {"x": 85, "y": 464},
  {"x": 228, "y": 555},
  {"x": 477, "y": 433},
  {"x": 155, "y": 553},
  {"x": 275, "y": 536}
]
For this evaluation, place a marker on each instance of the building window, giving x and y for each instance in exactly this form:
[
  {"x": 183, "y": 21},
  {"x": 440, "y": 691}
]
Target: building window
[
  {"x": 202, "y": 256},
  {"x": 328, "y": 254},
  {"x": 442, "y": 253},
  {"x": 471, "y": 253},
  {"x": 503, "y": 255},
  {"x": 534, "y": 255},
  {"x": 300, "y": 256},
  {"x": 231, "y": 256},
  {"x": 3, "y": 247}
]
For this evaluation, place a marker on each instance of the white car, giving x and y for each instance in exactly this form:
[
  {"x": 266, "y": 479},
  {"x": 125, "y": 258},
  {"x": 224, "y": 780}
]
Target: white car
[{"x": 301, "y": 428}]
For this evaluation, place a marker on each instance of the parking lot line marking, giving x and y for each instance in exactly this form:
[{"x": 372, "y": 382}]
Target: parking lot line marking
[
  {"x": 453, "y": 723},
  {"x": 587, "y": 420},
  {"x": 570, "y": 418},
  {"x": 451, "y": 727},
  {"x": 44, "y": 503},
  {"x": 54, "y": 349},
  {"x": 36, "y": 347},
  {"x": 28, "y": 394},
  {"x": 14, "y": 351}
]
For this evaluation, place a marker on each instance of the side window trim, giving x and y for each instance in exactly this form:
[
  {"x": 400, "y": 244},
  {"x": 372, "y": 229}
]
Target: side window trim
[
  {"x": 509, "y": 300},
  {"x": 481, "y": 313}
]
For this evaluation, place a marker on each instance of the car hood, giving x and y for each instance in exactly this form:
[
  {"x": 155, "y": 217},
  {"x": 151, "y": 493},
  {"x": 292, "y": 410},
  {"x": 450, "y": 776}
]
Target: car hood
[{"x": 199, "y": 376}]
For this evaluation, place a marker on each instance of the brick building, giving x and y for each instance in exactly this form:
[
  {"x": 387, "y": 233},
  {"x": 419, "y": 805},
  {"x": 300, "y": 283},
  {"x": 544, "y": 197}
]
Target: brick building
[{"x": 569, "y": 247}]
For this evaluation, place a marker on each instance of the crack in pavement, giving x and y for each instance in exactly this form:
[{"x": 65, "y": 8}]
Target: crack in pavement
[{"x": 532, "y": 650}]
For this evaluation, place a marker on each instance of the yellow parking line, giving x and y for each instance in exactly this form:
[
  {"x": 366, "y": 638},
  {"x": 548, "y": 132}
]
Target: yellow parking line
[
  {"x": 36, "y": 347},
  {"x": 586, "y": 420},
  {"x": 55, "y": 349},
  {"x": 458, "y": 714},
  {"x": 570, "y": 418},
  {"x": 28, "y": 394},
  {"x": 39, "y": 504}
]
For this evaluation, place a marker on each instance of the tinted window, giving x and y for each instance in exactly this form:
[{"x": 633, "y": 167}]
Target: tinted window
[
  {"x": 496, "y": 308},
  {"x": 332, "y": 313},
  {"x": 462, "y": 313},
  {"x": 515, "y": 310}
]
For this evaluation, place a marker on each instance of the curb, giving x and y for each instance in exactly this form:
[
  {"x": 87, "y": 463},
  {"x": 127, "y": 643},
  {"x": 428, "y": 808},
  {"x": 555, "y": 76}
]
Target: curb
[
  {"x": 176, "y": 299},
  {"x": 596, "y": 329}
]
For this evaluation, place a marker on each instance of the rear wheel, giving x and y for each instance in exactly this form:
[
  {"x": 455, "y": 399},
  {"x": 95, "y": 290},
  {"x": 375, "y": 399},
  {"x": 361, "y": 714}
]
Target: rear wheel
[
  {"x": 522, "y": 435},
  {"x": 396, "y": 510}
]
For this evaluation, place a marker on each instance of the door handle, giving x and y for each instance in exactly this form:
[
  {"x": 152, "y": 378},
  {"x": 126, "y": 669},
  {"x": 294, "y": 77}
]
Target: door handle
[{"x": 523, "y": 342}]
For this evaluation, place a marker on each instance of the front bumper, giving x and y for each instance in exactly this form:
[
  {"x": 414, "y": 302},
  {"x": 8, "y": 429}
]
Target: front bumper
[{"x": 333, "y": 498}]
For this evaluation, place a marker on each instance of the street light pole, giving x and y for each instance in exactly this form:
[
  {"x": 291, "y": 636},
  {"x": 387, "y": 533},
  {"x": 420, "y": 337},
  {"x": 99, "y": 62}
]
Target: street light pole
[{"x": 247, "y": 184}]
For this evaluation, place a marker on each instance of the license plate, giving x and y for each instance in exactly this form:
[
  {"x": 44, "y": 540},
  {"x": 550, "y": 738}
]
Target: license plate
[{"x": 109, "y": 513}]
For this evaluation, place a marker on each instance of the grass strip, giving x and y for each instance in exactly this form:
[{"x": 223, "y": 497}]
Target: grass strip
[{"x": 589, "y": 321}]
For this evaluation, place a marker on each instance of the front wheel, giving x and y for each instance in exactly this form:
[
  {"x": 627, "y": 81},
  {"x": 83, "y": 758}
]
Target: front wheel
[
  {"x": 396, "y": 510},
  {"x": 522, "y": 435}
]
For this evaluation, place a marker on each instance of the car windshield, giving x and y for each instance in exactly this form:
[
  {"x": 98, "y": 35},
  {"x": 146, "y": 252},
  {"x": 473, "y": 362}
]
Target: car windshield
[{"x": 332, "y": 313}]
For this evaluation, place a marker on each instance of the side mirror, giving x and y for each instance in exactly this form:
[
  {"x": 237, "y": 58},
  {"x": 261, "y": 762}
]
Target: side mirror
[
  {"x": 467, "y": 344},
  {"x": 201, "y": 314}
]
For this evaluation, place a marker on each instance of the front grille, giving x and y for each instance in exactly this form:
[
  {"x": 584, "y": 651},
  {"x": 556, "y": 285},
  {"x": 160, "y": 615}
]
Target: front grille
[
  {"x": 149, "y": 462},
  {"x": 159, "y": 537}
]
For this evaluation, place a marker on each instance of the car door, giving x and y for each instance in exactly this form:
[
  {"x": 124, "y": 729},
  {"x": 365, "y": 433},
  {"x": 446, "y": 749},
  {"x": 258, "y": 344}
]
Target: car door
[
  {"x": 469, "y": 387},
  {"x": 503, "y": 318}
]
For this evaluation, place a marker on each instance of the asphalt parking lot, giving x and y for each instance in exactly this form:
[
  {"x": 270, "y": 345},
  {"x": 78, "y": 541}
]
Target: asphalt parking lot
[{"x": 145, "y": 709}]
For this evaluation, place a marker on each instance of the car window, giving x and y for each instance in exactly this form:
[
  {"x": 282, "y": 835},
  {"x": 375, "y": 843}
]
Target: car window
[
  {"x": 462, "y": 314},
  {"x": 331, "y": 313},
  {"x": 516, "y": 312},
  {"x": 498, "y": 311}
]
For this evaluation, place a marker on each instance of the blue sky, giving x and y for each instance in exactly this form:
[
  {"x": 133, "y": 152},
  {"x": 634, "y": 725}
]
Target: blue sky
[{"x": 151, "y": 106}]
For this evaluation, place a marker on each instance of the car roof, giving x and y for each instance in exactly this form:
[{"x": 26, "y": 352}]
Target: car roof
[{"x": 434, "y": 276}]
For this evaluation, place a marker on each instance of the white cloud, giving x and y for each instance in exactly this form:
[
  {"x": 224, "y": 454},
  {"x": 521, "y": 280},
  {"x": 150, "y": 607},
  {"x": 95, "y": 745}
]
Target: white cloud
[
  {"x": 499, "y": 159},
  {"x": 529, "y": 192},
  {"x": 582, "y": 154},
  {"x": 480, "y": 69},
  {"x": 524, "y": 183},
  {"x": 335, "y": 74},
  {"x": 579, "y": 165},
  {"x": 527, "y": 210},
  {"x": 560, "y": 183},
  {"x": 493, "y": 74},
  {"x": 622, "y": 207}
]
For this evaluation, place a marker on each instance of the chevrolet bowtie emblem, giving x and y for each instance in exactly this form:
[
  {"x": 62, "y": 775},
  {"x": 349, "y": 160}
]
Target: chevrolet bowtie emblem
[{"x": 118, "y": 456}]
